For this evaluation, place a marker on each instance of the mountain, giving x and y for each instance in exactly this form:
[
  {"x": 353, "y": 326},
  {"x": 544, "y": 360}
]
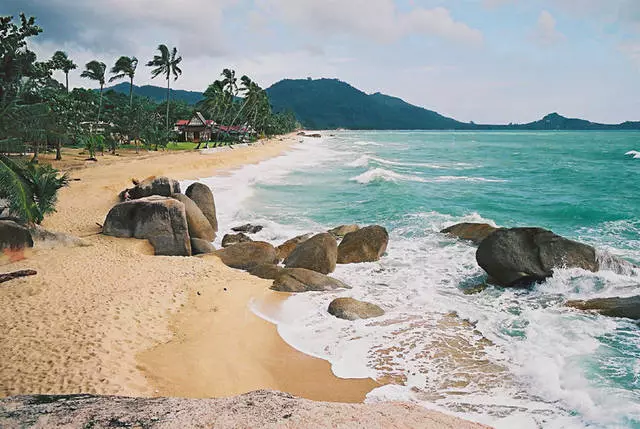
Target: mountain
[
  {"x": 158, "y": 94},
  {"x": 331, "y": 103},
  {"x": 554, "y": 121}
]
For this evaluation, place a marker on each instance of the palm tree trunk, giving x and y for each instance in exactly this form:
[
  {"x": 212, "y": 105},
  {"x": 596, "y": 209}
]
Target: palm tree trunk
[
  {"x": 67, "y": 77},
  {"x": 100, "y": 105},
  {"x": 59, "y": 149},
  {"x": 168, "y": 97},
  {"x": 131, "y": 93}
]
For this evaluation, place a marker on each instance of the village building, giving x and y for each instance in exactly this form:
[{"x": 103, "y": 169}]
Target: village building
[{"x": 197, "y": 129}]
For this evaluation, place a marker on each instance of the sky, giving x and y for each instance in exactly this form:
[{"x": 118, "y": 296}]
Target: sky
[{"x": 487, "y": 61}]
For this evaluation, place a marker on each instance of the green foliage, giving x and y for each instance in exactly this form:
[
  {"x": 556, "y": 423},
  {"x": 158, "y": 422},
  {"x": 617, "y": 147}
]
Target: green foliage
[
  {"x": 30, "y": 188},
  {"x": 92, "y": 143}
]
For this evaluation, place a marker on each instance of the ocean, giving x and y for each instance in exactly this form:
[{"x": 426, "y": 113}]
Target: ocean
[{"x": 504, "y": 357}]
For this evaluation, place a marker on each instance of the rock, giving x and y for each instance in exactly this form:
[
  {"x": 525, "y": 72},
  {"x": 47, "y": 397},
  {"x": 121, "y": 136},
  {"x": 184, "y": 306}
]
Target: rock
[
  {"x": 474, "y": 232},
  {"x": 343, "y": 230},
  {"x": 613, "y": 307},
  {"x": 302, "y": 280},
  {"x": 285, "y": 249},
  {"x": 49, "y": 239},
  {"x": 475, "y": 289},
  {"x": 248, "y": 229},
  {"x": 199, "y": 226},
  {"x": 201, "y": 247},
  {"x": 319, "y": 253},
  {"x": 521, "y": 256},
  {"x": 14, "y": 236},
  {"x": 246, "y": 256},
  {"x": 162, "y": 186},
  {"x": 231, "y": 239},
  {"x": 203, "y": 197},
  {"x": 365, "y": 245},
  {"x": 161, "y": 220},
  {"x": 266, "y": 271},
  {"x": 352, "y": 309}
]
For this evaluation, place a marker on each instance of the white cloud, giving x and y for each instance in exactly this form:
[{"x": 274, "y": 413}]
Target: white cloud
[
  {"x": 378, "y": 20},
  {"x": 546, "y": 32},
  {"x": 632, "y": 51}
]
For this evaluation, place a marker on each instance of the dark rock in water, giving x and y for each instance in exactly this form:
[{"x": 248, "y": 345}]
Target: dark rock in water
[
  {"x": 319, "y": 253},
  {"x": 231, "y": 239},
  {"x": 266, "y": 271},
  {"x": 201, "y": 247},
  {"x": 613, "y": 307},
  {"x": 521, "y": 256},
  {"x": 245, "y": 256},
  {"x": 475, "y": 289},
  {"x": 302, "y": 280},
  {"x": 285, "y": 249},
  {"x": 162, "y": 186},
  {"x": 14, "y": 236},
  {"x": 162, "y": 221},
  {"x": 203, "y": 197},
  {"x": 474, "y": 232},
  {"x": 352, "y": 309},
  {"x": 199, "y": 226},
  {"x": 248, "y": 228},
  {"x": 343, "y": 230},
  {"x": 364, "y": 245}
]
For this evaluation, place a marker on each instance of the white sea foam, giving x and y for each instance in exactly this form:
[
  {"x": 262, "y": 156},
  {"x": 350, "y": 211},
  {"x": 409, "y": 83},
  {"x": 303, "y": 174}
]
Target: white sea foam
[
  {"x": 633, "y": 153},
  {"x": 367, "y": 143},
  {"x": 383, "y": 174},
  {"x": 366, "y": 160}
]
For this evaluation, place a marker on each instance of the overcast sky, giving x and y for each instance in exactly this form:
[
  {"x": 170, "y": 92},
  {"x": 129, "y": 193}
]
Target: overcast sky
[{"x": 491, "y": 61}]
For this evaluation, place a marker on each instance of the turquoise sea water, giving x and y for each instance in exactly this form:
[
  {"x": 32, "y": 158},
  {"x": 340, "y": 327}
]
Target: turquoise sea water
[{"x": 509, "y": 358}]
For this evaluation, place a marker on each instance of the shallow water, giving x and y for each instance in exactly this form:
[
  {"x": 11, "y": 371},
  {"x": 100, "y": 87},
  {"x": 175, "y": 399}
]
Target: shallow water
[{"x": 509, "y": 358}]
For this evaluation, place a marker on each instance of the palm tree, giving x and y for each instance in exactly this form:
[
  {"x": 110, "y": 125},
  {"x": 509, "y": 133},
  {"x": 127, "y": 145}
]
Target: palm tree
[
  {"x": 230, "y": 85},
  {"x": 95, "y": 70},
  {"x": 61, "y": 61},
  {"x": 125, "y": 67},
  {"x": 166, "y": 64}
]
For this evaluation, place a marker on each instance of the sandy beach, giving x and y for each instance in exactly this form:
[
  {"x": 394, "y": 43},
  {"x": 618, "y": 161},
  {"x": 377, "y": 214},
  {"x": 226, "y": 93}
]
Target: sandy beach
[{"x": 111, "y": 318}]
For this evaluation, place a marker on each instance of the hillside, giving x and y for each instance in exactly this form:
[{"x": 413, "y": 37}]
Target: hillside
[
  {"x": 158, "y": 94},
  {"x": 331, "y": 103},
  {"x": 554, "y": 121}
]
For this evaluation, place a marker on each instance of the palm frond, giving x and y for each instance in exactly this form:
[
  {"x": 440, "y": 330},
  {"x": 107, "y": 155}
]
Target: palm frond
[{"x": 14, "y": 185}]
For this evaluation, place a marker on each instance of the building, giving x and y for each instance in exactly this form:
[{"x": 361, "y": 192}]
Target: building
[{"x": 197, "y": 129}]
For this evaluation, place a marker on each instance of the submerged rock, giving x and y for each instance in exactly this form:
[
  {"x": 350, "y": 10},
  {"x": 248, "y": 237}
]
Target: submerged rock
[
  {"x": 245, "y": 256},
  {"x": 303, "y": 280},
  {"x": 474, "y": 232},
  {"x": 613, "y": 307},
  {"x": 14, "y": 236},
  {"x": 201, "y": 247},
  {"x": 161, "y": 220},
  {"x": 364, "y": 245},
  {"x": 521, "y": 256},
  {"x": 199, "y": 226},
  {"x": 203, "y": 197},
  {"x": 343, "y": 230},
  {"x": 162, "y": 186},
  {"x": 352, "y": 309},
  {"x": 266, "y": 271},
  {"x": 319, "y": 253},
  {"x": 248, "y": 228},
  {"x": 285, "y": 249},
  {"x": 231, "y": 239}
]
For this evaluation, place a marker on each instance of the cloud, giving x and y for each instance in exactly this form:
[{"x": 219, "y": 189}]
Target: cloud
[
  {"x": 546, "y": 32},
  {"x": 495, "y": 3},
  {"x": 632, "y": 51},
  {"x": 377, "y": 20}
]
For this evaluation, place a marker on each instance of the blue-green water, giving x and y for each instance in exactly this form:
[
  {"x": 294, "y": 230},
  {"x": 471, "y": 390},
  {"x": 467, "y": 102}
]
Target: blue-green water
[{"x": 507, "y": 358}]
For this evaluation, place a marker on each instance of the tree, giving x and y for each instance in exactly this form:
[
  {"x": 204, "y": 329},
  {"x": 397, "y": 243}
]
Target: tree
[
  {"x": 230, "y": 85},
  {"x": 60, "y": 61},
  {"x": 166, "y": 64},
  {"x": 125, "y": 67},
  {"x": 95, "y": 70}
]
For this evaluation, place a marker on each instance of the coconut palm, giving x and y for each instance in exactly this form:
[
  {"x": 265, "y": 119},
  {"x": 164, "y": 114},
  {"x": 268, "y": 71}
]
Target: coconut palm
[
  {"x": 166, "y": 64},
  {"x": 230, "y": 85},
  {"x": 61, "y": 61},
  {"x": 125, "y": 67},
  {"x": 95, "y": 70}
]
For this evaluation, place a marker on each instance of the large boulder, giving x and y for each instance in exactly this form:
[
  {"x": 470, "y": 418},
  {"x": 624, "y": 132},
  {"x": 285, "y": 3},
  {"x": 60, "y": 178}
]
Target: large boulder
[
  {"x": 285, "y": 249},
  {"x": 203, "y": 197},
  {"x": 199, "y": 226},
  {"x": 521, "y": 256},
  {"x": 246, "y": 256},
  {"x": 43, "y": 238},
  {"x": 319, "y": 253},
  {"x": 613, "y": 307},
  {"x": 352, "y": 309},
  {"x": 201, "y": 247},
  {"x": 343, "y": 230},
  {"x": 231, "y": 239},
  {"x": 161, "y": 220},
  {"x": 162, "y": 186},
  {"x": 364, "y": 245},
  {"x": 302, "y": 280},
  {"x": 474, "y": 232},
  {"x": 266, "y": 271},
  {"x": 14, "y": 236},
  {"x": 248, "y": 228}
]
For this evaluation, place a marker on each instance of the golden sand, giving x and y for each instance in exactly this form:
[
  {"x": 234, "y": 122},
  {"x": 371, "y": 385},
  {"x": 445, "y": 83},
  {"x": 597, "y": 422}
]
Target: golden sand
[{"x": 111, "y": 318}]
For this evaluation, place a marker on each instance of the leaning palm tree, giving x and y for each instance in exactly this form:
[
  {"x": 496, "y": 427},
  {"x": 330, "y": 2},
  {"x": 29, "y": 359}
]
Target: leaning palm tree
[
  {"x": 166, "y": 64},
  {"x": 95, "y": 70},
  {"x": 61, "y": 61},
  {"x": 125, "y": 67}
]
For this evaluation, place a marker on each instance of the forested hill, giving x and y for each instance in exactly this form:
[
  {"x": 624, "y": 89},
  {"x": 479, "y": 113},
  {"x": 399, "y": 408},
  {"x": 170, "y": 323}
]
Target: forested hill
[
  {"x": 331, "y": 103},
  {"x": 158, "y": 94}
]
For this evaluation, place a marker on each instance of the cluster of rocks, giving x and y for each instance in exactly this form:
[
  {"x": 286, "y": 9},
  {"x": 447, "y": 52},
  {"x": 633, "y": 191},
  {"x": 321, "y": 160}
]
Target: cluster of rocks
[
  {"x": 16, "y": 236},
  {"x": 520, "y": 257}
]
